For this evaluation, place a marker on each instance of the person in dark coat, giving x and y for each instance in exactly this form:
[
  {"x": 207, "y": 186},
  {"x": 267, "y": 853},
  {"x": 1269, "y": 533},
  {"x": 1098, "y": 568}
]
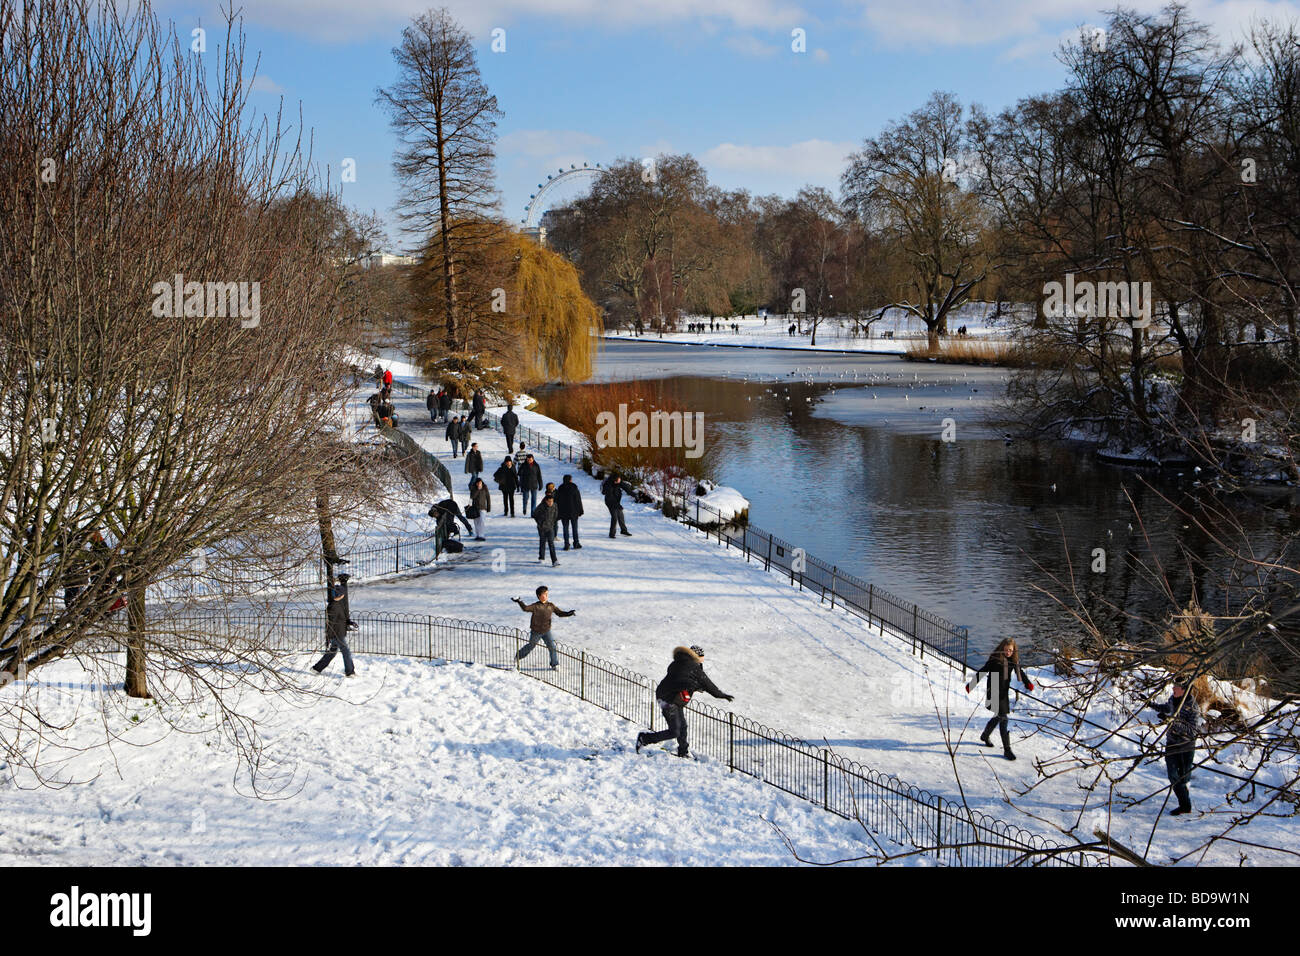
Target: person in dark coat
[
  {"x": 452, "y": 434},
  {"x": 612, "y": 489},
  {"x": 1184, "y": 716},
  {"x": 464, "y": 431},
  {"x": 510, "y": 425},
  {"x": 480, "y": 500},
  {"x": 507, "y": 480},
  {"x": 444, "y": 404},
  {"x": 568, "y": 502},
  {"x": 1002, "y": 663},
  {"x": 546, "y": 515},
  {"x": 336, "y": 627},
  {"x": 431, "y": 403},
  {"x": 530, "y": 483},
  {"x": 684, "y": 679},
  {"x": 374, "y": 402},
  {"x": 473, "y": 462},
  {"x": 539, "y": 628},
  {"x": 480, "y": 408},
  {"x": 446, "y": 512}
]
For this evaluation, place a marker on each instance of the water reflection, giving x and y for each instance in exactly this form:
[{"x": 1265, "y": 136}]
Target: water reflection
[{"x": 845, "y": 459}]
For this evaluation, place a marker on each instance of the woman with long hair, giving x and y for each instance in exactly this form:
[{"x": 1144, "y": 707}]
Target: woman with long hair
[{"x": 1002, "y": 663}]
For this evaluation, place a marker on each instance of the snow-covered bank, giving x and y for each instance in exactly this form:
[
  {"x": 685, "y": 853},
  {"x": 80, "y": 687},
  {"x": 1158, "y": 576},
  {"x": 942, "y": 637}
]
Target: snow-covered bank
[
  {"x": 892, "y": 335},
  {"x": 411, "y": 762}
]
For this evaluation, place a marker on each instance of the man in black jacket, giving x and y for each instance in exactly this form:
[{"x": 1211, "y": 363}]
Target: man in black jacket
[
  {"x": 452, "y": 434},
  {"x": 568, "y": 502},
  {"x": 612, "y": 488},
  {"x": 530, "y": 483},
  {"x": 1180, "y": 743},
  {"x": 546, "y": 516},
  {"x": 507, "y": 479},
  {"x": 473, "y": 463},
  {"x": 336, "y": 626},
  {"x": 431, "y": 403},
  {"x": 444, "y": 404},
  {"x": 479, "y": 406},
  {"x": 510, "y": 425},
  {"x": 685, "y": 677}
]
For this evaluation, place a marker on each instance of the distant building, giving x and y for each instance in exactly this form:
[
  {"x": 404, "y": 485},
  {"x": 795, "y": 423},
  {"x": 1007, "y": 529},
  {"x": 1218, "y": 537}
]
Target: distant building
[
  {"x": 386, "y": 259},
  {"x": 535, "y": 233}
]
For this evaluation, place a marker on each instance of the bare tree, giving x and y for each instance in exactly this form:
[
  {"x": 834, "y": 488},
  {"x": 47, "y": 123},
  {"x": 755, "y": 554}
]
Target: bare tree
[
  {"x": 446, "y": 119},
  {"x": 173, "y": 332},
  {"x": 906, "y": 183}
]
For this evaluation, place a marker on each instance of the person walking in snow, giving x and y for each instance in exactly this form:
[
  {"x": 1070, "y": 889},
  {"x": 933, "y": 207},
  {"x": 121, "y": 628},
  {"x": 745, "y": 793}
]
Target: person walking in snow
[
  {"x": 1184, "y": 716},
  {"x": 464, "y": 432},
  {"x": 480, "y": 407},
  {"x": 480, "y": 506},
  {"x": 568, "y": 504},
  {"x": 473, "y": 463},
  {"x": 431, "y": 403},
  {"x": 452, "y": 433},
  {"x": 507, "y": 479},
  {"x": 510, "y": 425},
  {"x": 388, "y": 377},
  {"x": 612, "y": 489},
  {"x": 530, "y": 483},
  {"x": 546, "y": 515},
  {"x": 336, "y": 628},
  {"x": 684, "y": 679},
  {"x": 1002, "y": 663},
  {"x": 539, "y": 628},
  {"x": 444, "y": 404}
]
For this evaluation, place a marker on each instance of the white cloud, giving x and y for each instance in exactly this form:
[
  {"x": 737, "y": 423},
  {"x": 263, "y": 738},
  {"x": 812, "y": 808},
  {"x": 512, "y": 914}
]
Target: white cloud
[
  {"x": 538, "y": 143},
  {"x": 264, "y": 84},
  {"x": 818, "y": 160},
  {"x": 1036, "y": 26},
  {"x": 750, "y": 45}
]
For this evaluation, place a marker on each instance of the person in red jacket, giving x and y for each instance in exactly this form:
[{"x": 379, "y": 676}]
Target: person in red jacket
[
  {"x": 1002, "y": 663},
  {"x": 388, "y": 376}
]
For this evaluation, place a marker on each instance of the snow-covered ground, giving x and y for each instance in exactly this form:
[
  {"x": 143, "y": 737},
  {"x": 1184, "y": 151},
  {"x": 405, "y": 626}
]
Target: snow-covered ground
[
  {"x": 792, "y": 662},
  {"x": 833, "y": 334},
  {"x": 411, "y": 762}
]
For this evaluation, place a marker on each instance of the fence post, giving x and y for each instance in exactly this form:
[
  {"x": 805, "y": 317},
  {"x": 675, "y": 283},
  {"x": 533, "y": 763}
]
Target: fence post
[
  {"x": 938, "y": 827},
  {"x": 826, "y": 779},
  {"x": 582, "y": 678},
  {"x": 397, "y": 555},
  {"x": 768, "y": 565},
  {"x": 833, "y": 570},
  {"x": 697, "y": 511},
  {"x": 731, "y": 741},
  {"x": 914, "y": 627}
]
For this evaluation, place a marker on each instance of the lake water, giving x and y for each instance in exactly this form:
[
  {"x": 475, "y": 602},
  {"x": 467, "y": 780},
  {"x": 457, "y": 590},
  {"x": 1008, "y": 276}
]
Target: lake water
[{"x": 842, "y": 455}]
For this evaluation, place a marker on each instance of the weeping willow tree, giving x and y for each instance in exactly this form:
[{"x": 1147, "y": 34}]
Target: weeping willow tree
[{"x": 524, "y": 316}]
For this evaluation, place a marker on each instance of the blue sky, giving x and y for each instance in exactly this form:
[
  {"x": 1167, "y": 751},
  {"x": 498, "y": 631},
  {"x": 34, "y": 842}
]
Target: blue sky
[{"x": 593, "y": 80}]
